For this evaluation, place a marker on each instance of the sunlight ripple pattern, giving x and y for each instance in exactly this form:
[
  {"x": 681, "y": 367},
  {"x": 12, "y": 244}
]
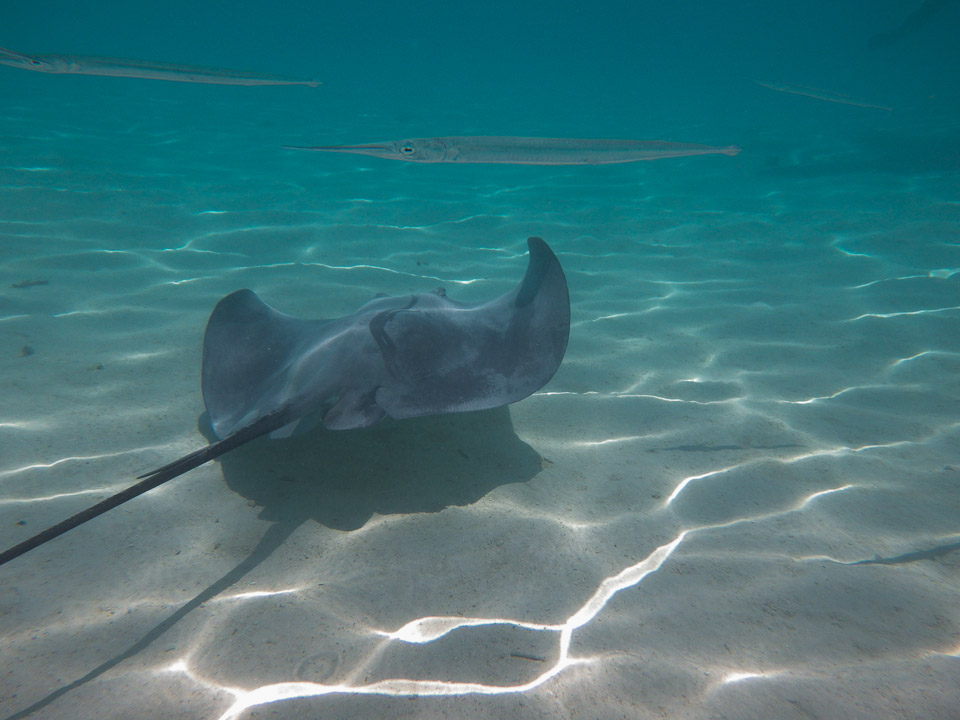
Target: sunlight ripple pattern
[{"x": 428, "y": 629}]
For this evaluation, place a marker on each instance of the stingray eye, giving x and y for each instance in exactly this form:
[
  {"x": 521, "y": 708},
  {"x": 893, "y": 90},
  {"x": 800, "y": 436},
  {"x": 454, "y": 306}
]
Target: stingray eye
[{"x": 407, "y": 148}]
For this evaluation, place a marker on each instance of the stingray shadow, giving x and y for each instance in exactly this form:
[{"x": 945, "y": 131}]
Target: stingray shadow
[
  {"x": 418, "y": 465},
  {"x": 340, "y": 479}
]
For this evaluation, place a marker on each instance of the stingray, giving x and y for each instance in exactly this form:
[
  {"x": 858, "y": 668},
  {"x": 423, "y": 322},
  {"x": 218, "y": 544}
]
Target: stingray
[{"x": 265, "y": 372}]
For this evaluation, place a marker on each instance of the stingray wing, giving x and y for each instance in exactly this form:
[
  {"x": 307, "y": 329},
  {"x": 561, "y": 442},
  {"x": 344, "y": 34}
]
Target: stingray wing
[
  {"x": 247, "y": 351},
  {"x": 445, "y": 357}
]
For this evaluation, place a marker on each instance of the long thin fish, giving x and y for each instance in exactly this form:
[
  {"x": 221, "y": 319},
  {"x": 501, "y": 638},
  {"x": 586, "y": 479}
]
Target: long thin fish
[
  {"x": 144, "y": 69},
  {"x": 816, "y": 94},
  {"x": 524, "y": 150}
]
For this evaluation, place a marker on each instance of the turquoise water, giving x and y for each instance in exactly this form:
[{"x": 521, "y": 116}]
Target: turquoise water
[{"x": 739, "y": 495}]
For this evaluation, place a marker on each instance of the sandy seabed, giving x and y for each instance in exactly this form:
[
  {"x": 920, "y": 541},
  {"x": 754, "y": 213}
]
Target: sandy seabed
[{"x": 738, "y": 497}]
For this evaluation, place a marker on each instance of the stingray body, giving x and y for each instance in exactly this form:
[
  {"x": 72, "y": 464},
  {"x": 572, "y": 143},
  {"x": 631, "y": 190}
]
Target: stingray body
[
  {"x": 400, "y": 357},
  {"x": 267, "y": 372}
]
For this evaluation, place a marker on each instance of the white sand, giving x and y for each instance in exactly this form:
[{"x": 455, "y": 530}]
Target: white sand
[{"x": 761, "y": 390}]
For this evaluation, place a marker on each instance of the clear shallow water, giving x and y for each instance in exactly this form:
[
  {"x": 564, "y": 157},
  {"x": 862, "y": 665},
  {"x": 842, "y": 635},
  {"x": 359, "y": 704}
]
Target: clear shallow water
[{"x": 760, "y": 390}]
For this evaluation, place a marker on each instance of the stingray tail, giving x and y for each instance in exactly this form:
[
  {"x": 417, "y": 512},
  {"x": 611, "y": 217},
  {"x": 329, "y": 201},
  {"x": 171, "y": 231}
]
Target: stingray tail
[{"x": 148, "y": 481}]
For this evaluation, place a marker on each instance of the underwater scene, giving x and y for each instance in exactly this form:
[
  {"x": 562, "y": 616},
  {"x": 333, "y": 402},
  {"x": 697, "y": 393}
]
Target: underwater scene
[{"x": 497, "y": 360}]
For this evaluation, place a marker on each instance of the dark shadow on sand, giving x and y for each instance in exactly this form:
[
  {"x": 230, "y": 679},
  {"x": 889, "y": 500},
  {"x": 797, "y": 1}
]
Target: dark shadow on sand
[
  {"x": 421, "y": 465},
  {"x": 341, "y": 478}
]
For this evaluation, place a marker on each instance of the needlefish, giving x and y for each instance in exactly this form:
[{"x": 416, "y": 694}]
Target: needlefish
[
  {"x": 816, "y": 94},
  {"x": 145, "y": 69},
  {"x": 524, "y": 150}
]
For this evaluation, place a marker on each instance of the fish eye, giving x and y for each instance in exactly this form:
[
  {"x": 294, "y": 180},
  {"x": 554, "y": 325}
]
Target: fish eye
[{"x": 407, "y": 148}]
